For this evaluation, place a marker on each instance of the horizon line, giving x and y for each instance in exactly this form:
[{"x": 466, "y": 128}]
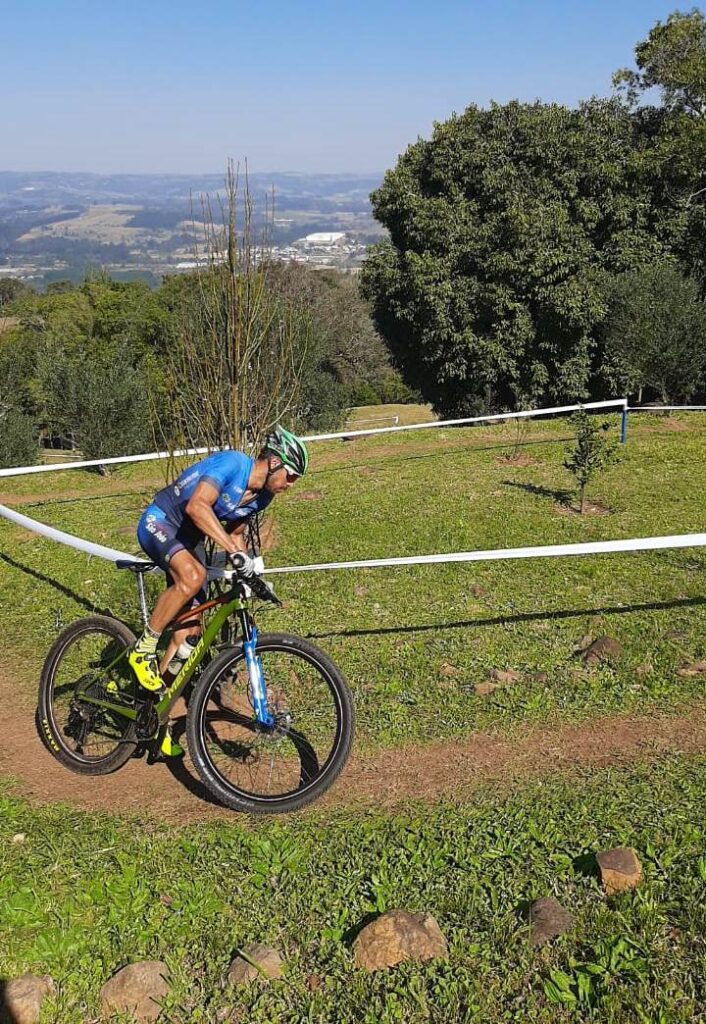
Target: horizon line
[{"x": 204, "y": 174}]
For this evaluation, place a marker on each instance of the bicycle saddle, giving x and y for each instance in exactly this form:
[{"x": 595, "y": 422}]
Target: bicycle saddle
[{"x": 138, "y": 567}]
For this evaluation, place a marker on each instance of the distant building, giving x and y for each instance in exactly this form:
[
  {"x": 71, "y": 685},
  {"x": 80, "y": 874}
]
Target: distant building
[{"x": 325, "y": 238}]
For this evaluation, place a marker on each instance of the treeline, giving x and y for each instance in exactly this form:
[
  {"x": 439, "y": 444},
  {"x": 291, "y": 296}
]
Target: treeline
[
  {"x": 106, "y": 367},
  {"x": 540, "y": 254}
]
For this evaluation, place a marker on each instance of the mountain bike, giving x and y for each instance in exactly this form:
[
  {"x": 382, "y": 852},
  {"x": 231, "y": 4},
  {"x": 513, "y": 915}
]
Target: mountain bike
[{"x": 270, "y": 718}]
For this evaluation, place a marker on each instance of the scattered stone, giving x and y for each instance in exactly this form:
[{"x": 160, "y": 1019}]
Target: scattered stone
[
  {"x": 255, "y": 961},
  {"x": 548, "y": 919},
  {"x": 645, "y": 669},
  {"x": 397, "y": 936},
  {"x": 137, "y": 989},
  {"x": 19, "y": 838},
  {"x": 485, "y": 689},
  {"x": 602, "y": 648},
  {"x": 22, "y": 998},
  {"x": 503, "y": 677},
  {"x": 696, "y": 668},
  {"x": 620, "y": 869},
  {"x": 478, "y": 591}
]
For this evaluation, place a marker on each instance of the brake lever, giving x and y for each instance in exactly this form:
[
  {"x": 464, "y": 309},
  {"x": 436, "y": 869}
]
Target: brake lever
[{"x": 263, "y": 590}]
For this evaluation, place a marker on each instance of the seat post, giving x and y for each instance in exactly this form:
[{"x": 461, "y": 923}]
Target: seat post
[{"x": 141, "y": 594}]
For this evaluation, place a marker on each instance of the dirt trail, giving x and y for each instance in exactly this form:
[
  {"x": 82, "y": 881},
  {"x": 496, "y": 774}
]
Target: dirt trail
[{"x": 387, "y": 779}]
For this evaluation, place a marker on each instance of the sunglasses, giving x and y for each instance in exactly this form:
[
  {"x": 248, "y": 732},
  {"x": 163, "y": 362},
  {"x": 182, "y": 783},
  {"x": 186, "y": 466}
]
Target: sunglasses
[{"x": 291, "y": 475}]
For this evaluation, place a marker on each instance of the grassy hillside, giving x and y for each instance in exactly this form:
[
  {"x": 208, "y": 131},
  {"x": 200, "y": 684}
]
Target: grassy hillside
[
  {"x": 415, "y": 641},
  {"x": 84, "y": 894}
]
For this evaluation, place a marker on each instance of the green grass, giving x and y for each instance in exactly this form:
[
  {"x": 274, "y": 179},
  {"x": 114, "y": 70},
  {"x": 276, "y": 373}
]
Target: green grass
[
  {"x": 414, "y": 641},
  {"x": 86, "y": 894},
  {"x": 83, "y": 895}
]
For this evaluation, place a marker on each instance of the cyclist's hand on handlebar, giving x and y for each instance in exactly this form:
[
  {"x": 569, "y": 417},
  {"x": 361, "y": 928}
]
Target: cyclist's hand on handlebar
[{"x": 244, "y": 564}]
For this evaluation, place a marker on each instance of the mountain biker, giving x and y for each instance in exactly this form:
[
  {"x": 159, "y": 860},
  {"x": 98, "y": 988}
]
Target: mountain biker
[{"x": 213, "y": 498}]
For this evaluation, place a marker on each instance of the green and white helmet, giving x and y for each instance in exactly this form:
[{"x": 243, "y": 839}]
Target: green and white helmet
[{"x": 289, "y": 449}]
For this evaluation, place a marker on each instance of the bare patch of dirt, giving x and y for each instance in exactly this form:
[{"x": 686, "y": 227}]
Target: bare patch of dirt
[
  {"x": 104, "y": 487},
  {"x": 268, "y": 534},
  {"x": 306, "y": 496},
  {"x": 670, "y": 423},
  {"x": 385, "y": 779},
  {"x": 517, "y": 459},
  {"x": 590, "y": 508},
  {"x": 8, "y": 322}
]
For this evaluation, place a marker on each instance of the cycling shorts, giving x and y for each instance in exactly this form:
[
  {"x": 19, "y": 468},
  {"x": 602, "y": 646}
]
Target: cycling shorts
[{"x": 160, "y": 539}]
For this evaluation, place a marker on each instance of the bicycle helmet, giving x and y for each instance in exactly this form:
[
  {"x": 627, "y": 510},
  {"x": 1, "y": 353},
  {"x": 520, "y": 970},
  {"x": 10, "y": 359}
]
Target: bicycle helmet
[{"x": 289, "y": 449}]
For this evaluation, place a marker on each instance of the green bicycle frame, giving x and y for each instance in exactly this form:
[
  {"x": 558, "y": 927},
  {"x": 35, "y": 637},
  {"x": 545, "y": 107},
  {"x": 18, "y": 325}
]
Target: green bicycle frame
[{"x": 167, "y": 702}]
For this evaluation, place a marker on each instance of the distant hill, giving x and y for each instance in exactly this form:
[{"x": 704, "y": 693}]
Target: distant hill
[{"x": 55, "y": 224}]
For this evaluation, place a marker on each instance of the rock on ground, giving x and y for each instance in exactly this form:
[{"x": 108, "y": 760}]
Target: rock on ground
[
  {"x": 620, "y": 869},
  {"x": 138, "y": 989},
  {"x": 548, "y": 919},
  {"x": 602, "y": 648},
  {"x": 504, "y": 676},
  {"x": 21, "y": 999},
  {"x": 396, "y": 936},
  {"x": 255, "y": 961},
  {"x": 485, "y": 689},
  {"x": 695, "y": 668}
]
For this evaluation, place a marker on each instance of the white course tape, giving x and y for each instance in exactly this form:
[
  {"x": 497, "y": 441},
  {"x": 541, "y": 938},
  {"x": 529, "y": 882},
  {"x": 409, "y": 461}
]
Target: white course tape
[
  {"x": 496, "y": 417},
  {"x": 115, "y": 460},
  {"x": 667, "y": 408},
  {"x": 99, "y": 550},
  {"x": 688, "y": 540}
]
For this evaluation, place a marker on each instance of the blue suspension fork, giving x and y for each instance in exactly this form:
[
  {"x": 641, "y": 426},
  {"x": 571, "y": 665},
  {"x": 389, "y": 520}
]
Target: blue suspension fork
[{"x": 256, "y": 678}]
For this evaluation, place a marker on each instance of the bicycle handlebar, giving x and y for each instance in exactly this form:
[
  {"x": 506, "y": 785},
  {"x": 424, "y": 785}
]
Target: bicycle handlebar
[
  {"x": 262, "y": 589},
  {"x": 258, "y": 586}
]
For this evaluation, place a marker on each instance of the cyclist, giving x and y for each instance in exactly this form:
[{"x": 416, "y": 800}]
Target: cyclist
[{"x": 213, "y": 498}]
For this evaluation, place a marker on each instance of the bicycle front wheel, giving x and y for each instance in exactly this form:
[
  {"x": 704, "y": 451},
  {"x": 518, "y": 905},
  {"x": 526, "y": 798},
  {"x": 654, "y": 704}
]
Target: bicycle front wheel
[
  {"x": 88, "y": 660},
  {"x": 260, "y": 770}
]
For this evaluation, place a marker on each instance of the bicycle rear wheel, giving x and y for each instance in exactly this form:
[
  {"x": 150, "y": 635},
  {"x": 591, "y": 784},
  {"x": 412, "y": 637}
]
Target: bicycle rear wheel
[
  {"x": 269, "y": 770},
  {"x": 88, "y": 659}
]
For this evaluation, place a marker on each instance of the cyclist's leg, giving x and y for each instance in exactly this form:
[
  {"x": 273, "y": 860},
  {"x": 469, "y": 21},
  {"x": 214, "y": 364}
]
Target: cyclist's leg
[
  {"x": 166, "y": 545},
  {"x": 191, "y": 627}
]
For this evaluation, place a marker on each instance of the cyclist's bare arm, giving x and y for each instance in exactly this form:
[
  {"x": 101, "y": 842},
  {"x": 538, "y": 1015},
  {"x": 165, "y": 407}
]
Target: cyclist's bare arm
[{"x": 199, "y": 509}]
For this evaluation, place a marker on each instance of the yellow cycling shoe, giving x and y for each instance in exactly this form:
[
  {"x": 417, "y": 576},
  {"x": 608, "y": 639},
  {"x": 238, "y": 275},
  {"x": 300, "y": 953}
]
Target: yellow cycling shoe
[
  {"x": 145, "y": 668},
  {"x": 169, "y": 747}
]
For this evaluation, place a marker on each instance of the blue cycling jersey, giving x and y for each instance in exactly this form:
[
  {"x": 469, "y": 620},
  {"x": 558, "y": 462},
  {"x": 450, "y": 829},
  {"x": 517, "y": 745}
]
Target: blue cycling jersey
[{"x": 229, "y": 471}]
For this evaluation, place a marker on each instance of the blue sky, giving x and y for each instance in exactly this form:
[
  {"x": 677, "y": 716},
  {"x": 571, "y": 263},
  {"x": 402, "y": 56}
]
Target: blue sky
[{"x": 304, "y": 85}]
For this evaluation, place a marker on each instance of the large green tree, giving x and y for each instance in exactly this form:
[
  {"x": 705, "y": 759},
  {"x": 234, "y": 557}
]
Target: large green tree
[
  {"x": 666, "y": 94},
  {"x": 502, "y": 229},
  {"x": 655, "y": 334}
]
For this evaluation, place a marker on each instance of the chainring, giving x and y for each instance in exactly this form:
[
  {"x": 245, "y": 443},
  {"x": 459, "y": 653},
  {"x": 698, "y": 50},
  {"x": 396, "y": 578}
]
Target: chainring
[{"x": 147, "y": 721}]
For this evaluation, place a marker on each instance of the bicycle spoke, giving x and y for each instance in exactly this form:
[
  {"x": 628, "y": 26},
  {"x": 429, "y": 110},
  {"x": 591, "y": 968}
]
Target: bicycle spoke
[
  {"x": 91, "y": 668},
  {"x": 279, "y": 761}
]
